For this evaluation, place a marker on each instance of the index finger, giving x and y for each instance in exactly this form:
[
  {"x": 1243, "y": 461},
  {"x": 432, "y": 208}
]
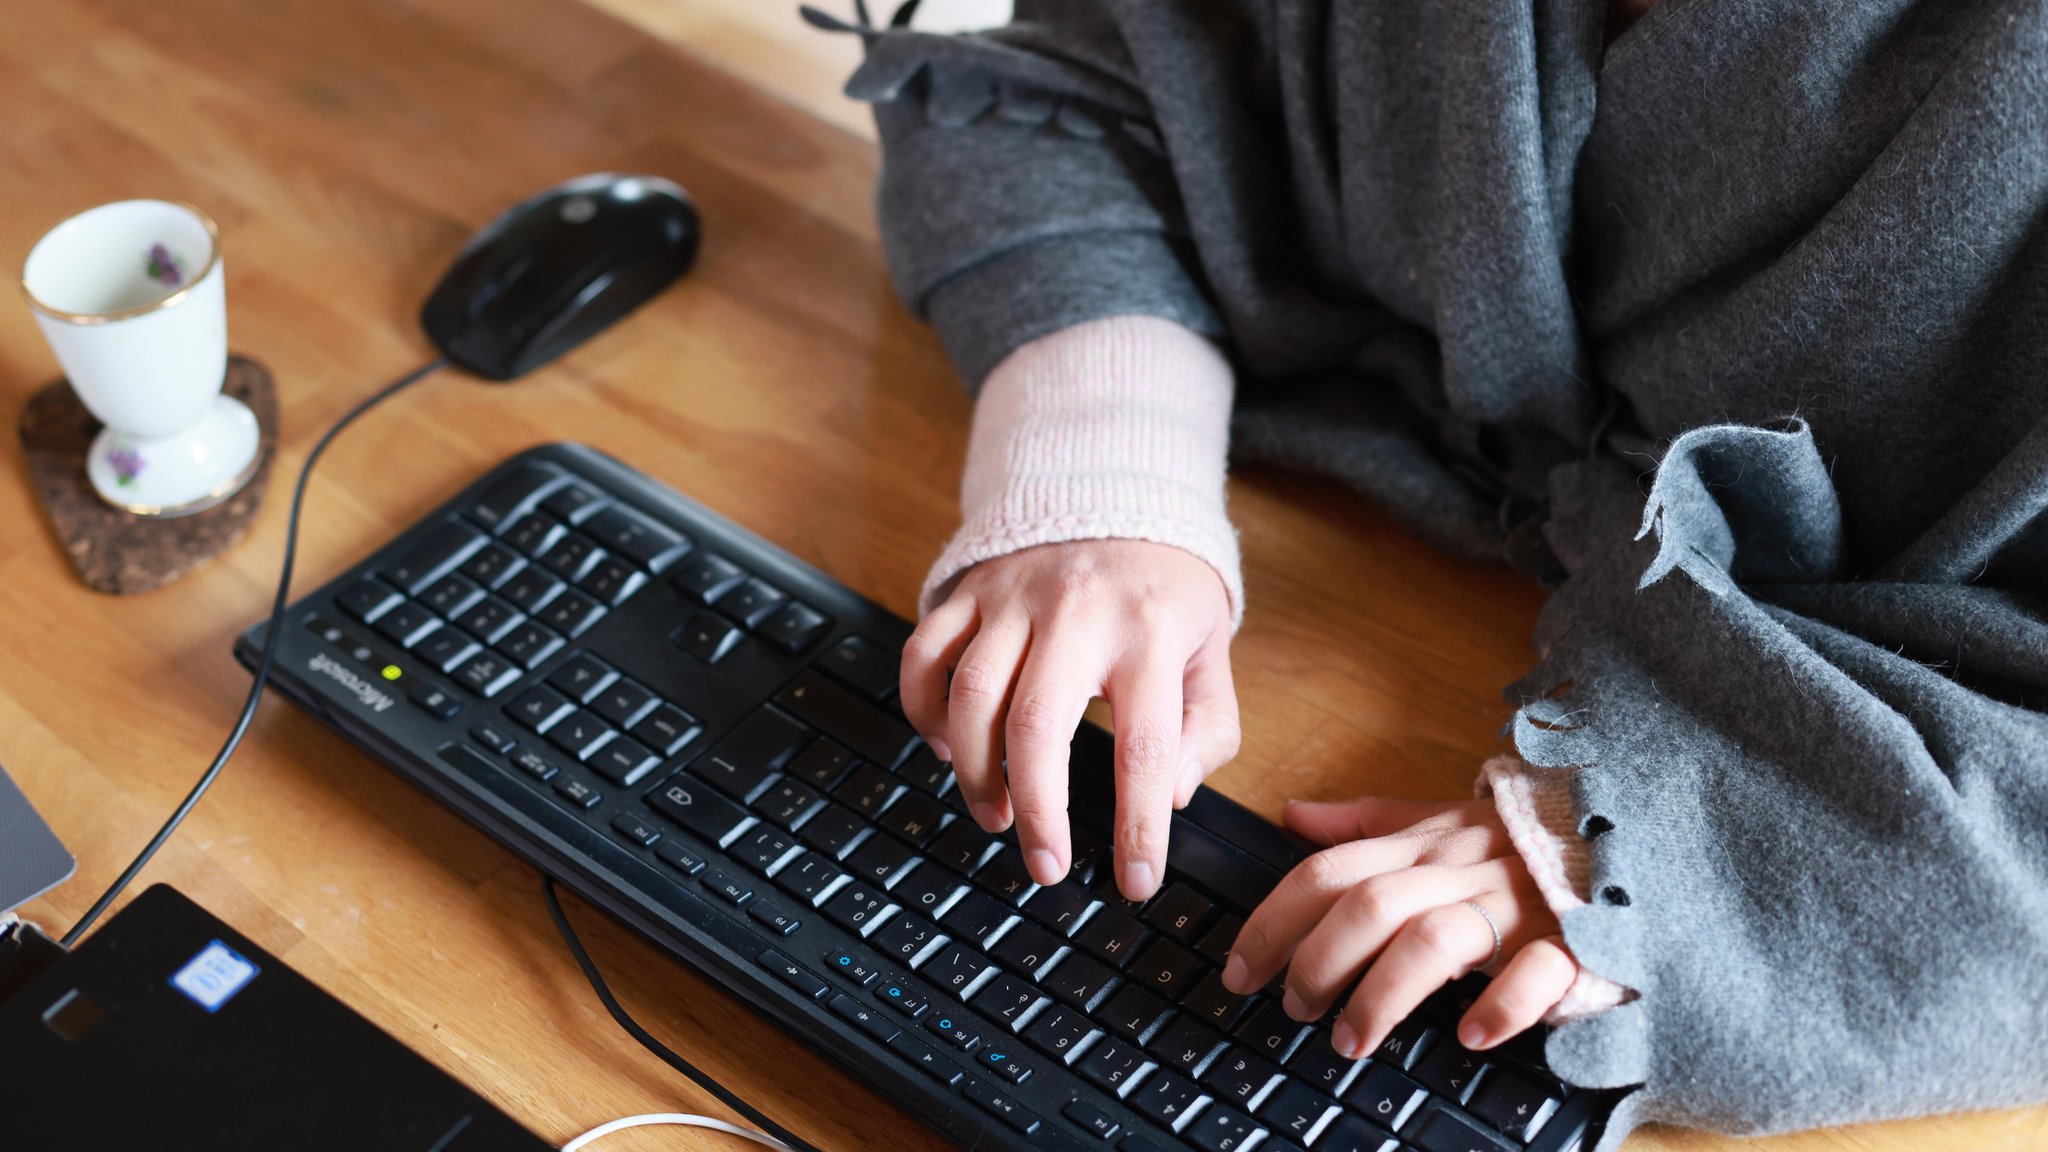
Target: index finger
[{"x": 1145, "y": 703}]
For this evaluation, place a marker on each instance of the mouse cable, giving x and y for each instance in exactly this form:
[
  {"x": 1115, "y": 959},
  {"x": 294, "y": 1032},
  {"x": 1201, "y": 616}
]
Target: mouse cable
[
  {"x": 678, "y": 1118},
  {"x": 276, "y": 627},
  {"x": 704, "y": 1080}
]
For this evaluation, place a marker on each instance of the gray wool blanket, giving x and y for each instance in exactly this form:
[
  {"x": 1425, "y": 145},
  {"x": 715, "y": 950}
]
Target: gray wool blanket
[{"x": 1734, "y": 332}]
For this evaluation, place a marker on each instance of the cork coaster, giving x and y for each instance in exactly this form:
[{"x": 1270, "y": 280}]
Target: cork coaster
[{"x": 116, "y": 551}]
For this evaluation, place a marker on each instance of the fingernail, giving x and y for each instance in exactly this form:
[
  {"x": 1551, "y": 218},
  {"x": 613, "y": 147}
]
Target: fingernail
[
  {"x": 1472, "y": 1035},
  {"x": 1344, "y": 1040},
  {"x": 941, "y": 749},
  {"x": 1292, "y": 1005},
  {"x": 1138, "y": 881},
  {"x": 985, "y": 814},
  {"x": 1235, "y": 973},
  {"x": 1043, "y": 865}
]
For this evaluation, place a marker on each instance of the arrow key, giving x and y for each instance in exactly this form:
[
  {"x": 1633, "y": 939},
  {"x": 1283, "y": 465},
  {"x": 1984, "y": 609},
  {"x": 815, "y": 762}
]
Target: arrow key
[{"x": 1513, "y": 1105}]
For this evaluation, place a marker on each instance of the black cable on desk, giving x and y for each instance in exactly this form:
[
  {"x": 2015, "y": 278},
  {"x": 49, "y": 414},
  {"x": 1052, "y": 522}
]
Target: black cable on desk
[
  {"x": 611, "y": 1004},
  {"x": 276, "y": 627}
]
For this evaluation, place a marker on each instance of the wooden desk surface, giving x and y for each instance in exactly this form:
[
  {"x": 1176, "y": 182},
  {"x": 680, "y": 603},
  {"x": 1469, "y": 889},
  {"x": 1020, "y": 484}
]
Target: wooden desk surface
[{"x": 347, "y": 149}]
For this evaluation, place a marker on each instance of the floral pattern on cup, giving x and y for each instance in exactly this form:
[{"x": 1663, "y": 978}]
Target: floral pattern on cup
[
  {"x": 127, "y": 464},
  {"x": 164, "y": 267}
]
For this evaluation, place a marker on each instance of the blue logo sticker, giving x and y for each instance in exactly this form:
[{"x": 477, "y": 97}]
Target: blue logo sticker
[{"x": 213, "y": 977}]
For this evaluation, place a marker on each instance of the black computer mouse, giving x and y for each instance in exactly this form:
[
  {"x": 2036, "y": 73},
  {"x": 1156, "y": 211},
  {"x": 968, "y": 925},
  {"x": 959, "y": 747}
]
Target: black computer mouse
[{"x": 557, "y": 269}]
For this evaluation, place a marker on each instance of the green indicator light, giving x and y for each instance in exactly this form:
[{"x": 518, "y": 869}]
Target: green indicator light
[{"x": 393, "y": 671}]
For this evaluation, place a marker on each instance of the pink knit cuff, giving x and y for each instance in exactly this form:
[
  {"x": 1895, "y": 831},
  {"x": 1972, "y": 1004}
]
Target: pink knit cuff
[
  {"x": 1112, "y": 429},
  {"x": 1536, "y": 806}
]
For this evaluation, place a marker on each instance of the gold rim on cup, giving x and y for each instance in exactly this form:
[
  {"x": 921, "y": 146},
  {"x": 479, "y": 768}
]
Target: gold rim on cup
[
  {"x": 55, "y": 313},
  {"x": 220, "y": 494}
]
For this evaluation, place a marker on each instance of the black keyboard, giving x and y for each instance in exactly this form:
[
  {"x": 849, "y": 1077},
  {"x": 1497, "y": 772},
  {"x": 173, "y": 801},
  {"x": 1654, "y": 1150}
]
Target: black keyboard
[{"x": 698, "y": 733}]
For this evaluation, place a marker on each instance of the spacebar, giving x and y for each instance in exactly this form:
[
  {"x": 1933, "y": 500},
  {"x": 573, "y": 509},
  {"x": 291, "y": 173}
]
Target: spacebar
[{"x": 849, "y": 719}]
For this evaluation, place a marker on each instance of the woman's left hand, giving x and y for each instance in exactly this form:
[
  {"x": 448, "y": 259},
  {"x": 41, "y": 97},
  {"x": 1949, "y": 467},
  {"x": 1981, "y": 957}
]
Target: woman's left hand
[{"x": 1385, "y": 906}]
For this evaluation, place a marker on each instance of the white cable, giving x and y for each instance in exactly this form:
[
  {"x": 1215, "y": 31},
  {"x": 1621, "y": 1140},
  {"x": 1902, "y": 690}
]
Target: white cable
[{"x": 623, "y": 1123}]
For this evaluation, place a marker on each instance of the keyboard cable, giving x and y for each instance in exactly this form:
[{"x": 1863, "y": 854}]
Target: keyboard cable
[
  {"x": 262, "y": 677},
  {"x": 777, "y": 1136}
]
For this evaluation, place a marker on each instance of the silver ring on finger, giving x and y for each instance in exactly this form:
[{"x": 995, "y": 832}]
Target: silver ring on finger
[{"x": 1494, "y": 927}]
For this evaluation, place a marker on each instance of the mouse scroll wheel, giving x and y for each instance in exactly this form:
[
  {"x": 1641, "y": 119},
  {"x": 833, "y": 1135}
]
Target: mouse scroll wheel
[{"x": 495, "y": 287}]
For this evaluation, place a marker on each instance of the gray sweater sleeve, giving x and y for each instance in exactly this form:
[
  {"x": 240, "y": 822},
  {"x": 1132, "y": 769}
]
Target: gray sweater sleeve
[{"x": 1014, "y": 207}]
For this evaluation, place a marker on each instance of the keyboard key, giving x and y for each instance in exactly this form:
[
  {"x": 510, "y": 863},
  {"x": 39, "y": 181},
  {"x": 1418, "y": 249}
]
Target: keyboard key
[
  {"x": 848, "y": 718},
  {"x": 742, "y": 763},
  {"x": 487, "y": 674},
  {"x": 793, "y": 974},
  {"x": 1386, "y": 1096},
  {"x": 1165, "y": 968},
  {"x": 493, "y": 737},
  {"x": 489, "y": 619},
  {"x": 667, "y": 729},
  {"x": 438, "y": 702},
  {"x": 406, "y": 624},
  {"x": 1294, "y": 1109},
  {"x": 1134, "y": 1013},
  {"x": 708, "y": 636},
  {"x": 534, "y": 533},
  {"x": 436, "y": 554},
  {"x": 634, "y": 828},
  {"x": 1060, "y": 907},
  {"x": 1237, "y": 1076},
  {"x": 492, "y": 565},
  {"x": 1058, "y": 1032},
  {"x": 1221, "y": 1129},
  {"x": 795, "y": 627},
  {"x": 730, "y": 887},
  {"x": 880, "y": 860},
  {"x": 572, "y": 557},
  {"x": 612, "y": 580},
  {"x": 1001, "y": 1060},
  {"x": 927, "y": 1059},
  {"x": 1092, "y": 1120},
  {"x": 1443, "y": 1131},
  {"x": 1214, "y": 1004},
  {"x": 914, "y": 817},
  {"x": 955, "y": 1029},
  {"x": 577, "y": 793},
  {"x": 1185, "y": 1045},
  {"x": 1112, "y": 1065},
  {"x": 904, "y": 937},
  {"x": 1166, "y": 1098},
  {"x": 571, "y": 613},
  {"x": 1111, "y": 935},
  {"x": 1004, "y": 877},
  {"x": 857, "y": 906},
  {"x": 963, "y": 846},
  {"x": 851, "y": 968},
  {"x": 539, "y": 706},
  {"x": 623, "y": 702},
  {"x": 637, "y": 538},
  {"x": 832, "y": 830},
  {"x": 926, "y": 888},
  {"x": 574, "y": 503},
  {"x": 518, "y": 491},
  {"x": 530, "y": 589},
  {"x": 1180, "y": 912},
  {"x": 1406, "y": 1043},
  {"x": 1450, "y": 1070},
  {"x": 955, "y": 970},
  {"x": 445, "y": 648},
  {"x": 678, "y": 857},
  {"x": 760, "y": 847},
  {"x": 808, "y": 876},
  {"x": 903, "y": 997},
  {"x": 534, "y": 764},
  {"x": 864, "y": 664},
  {"x": 1317, "y": 1064},
  {"x": 579, "y": 734},
  {"x": 866, "y": 790},
  {"x": 1005, "y": 1000},
  {"x": 624, "y": 761},
  {"x": 1270, "y": 1032},
  {"x": 751, "y": 601},
  {"x": 530, "y": 644},
  {"x": 451, "y": 594},
  {"x": 974, "y": 916},
  {"x": 868, "y": 1020},
  {"x": 773, "y": 917},
  {"x": 581, "y": 677},
  {"x": 1514, "y": 1105},
  {"x": 924, "y": 771},
  {"x": 1350, "y": 1133},
  {"x": 787, "y": 803},
  {"x": 1027, "y": 948},
  {"x": 1004, "y": 1108},
  {"x": 707, "y": 576},
  {"x": 711, "y": 817},
  {"x": 821, "y": 764},
  {"x": 1080, "y": 980}
]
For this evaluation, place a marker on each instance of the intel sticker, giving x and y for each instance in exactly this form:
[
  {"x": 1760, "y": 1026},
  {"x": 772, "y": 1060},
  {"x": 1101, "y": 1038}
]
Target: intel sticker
[{"x": 213, "y": 977}]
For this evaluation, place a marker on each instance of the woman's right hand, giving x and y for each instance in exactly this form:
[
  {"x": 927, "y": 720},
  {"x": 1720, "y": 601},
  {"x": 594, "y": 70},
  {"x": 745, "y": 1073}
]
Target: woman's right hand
[{"x": 1007, "y": 663}]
